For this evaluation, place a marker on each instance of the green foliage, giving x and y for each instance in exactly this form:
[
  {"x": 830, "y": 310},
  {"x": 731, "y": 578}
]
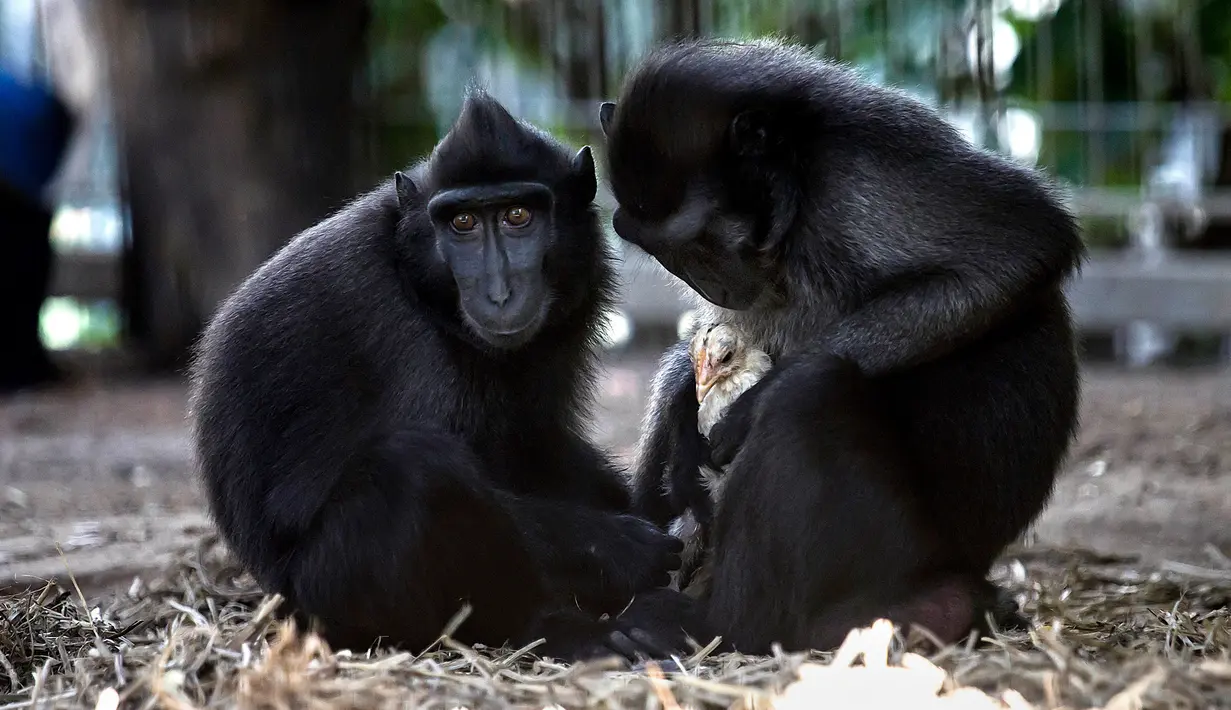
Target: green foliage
[
  {"x": 1087, "y": 52},
  {"x": 1094, "y": 51},
  {"x": 399, "y": 30}
]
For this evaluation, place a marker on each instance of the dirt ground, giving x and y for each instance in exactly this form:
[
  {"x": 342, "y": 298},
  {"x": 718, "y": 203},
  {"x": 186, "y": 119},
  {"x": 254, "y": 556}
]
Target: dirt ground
[{"x": 97, "y": 479}]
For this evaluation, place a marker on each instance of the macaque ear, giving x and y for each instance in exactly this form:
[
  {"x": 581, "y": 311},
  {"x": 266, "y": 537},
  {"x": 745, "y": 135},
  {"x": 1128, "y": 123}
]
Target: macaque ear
[
  {"x": 407, "y": 192},
  {"x": 584, "y": 178},
  {"x": 750, "y": 133},
  {"x": 606, "y": 112}
]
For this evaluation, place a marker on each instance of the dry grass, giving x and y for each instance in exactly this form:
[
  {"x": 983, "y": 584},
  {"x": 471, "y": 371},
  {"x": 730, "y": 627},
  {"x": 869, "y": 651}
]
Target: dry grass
[{"x": 1107, "y": 635}]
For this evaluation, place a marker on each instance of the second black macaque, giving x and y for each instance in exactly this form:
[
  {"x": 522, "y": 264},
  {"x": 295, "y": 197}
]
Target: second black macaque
[
  {"x": 909, "y": 290},
  {"x": 389, "y": 414}
]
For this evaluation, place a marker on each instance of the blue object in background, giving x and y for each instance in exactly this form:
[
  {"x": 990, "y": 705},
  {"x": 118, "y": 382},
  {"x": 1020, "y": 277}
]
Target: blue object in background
[{"x": 35, "y": 128}]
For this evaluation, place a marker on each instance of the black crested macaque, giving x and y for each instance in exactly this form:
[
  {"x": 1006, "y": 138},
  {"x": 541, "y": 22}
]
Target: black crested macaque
[
  {"x": 388, "y": 414},
  {"x": 908, "y": 287}
]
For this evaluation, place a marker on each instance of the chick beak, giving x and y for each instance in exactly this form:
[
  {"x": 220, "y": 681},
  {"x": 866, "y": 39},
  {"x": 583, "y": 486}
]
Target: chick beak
[{"x": 705, "y": 377}]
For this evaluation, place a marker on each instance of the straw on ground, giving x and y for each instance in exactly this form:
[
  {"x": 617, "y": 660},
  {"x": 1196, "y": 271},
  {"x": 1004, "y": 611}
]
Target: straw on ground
[{"x": 1108, "y": 634}]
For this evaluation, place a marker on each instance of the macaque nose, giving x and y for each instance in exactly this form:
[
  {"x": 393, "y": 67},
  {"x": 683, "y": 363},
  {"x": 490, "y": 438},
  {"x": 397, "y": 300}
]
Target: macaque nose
[
  {"x": 619, "y": 223},
  {"x": 498, "y": 294}
]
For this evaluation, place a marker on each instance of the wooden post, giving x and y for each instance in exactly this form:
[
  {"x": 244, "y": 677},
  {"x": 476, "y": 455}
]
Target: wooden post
[{"x": 234, "y": 125}]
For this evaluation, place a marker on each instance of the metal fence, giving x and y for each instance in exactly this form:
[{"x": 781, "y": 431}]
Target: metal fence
[
  {"x": 1124, "y": 100},
  {"x": 1119, "y": 99}
]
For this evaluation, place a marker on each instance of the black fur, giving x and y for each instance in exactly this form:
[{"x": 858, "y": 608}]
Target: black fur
[
  {"x": 375, "y": 454},
  {"x": 908, "y": 287},
  {"x": 673, "y": 445}
]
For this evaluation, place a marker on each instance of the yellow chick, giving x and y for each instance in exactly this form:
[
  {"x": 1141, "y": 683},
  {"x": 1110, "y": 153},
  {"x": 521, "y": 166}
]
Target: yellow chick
[{"x": 725, "y": 365}]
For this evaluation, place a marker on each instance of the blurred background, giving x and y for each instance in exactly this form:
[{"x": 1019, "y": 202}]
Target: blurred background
[{"x": 156, "y": 151}]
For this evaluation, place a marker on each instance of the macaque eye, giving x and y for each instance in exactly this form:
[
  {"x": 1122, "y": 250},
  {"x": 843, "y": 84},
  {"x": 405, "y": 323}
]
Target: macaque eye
[
  {"x": 464, "y": 222},
  {"x": 517, "y": 217}
]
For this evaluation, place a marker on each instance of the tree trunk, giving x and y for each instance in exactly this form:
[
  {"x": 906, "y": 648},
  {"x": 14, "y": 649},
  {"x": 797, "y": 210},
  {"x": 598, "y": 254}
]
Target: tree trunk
[{"x": 234, "y": 123}]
